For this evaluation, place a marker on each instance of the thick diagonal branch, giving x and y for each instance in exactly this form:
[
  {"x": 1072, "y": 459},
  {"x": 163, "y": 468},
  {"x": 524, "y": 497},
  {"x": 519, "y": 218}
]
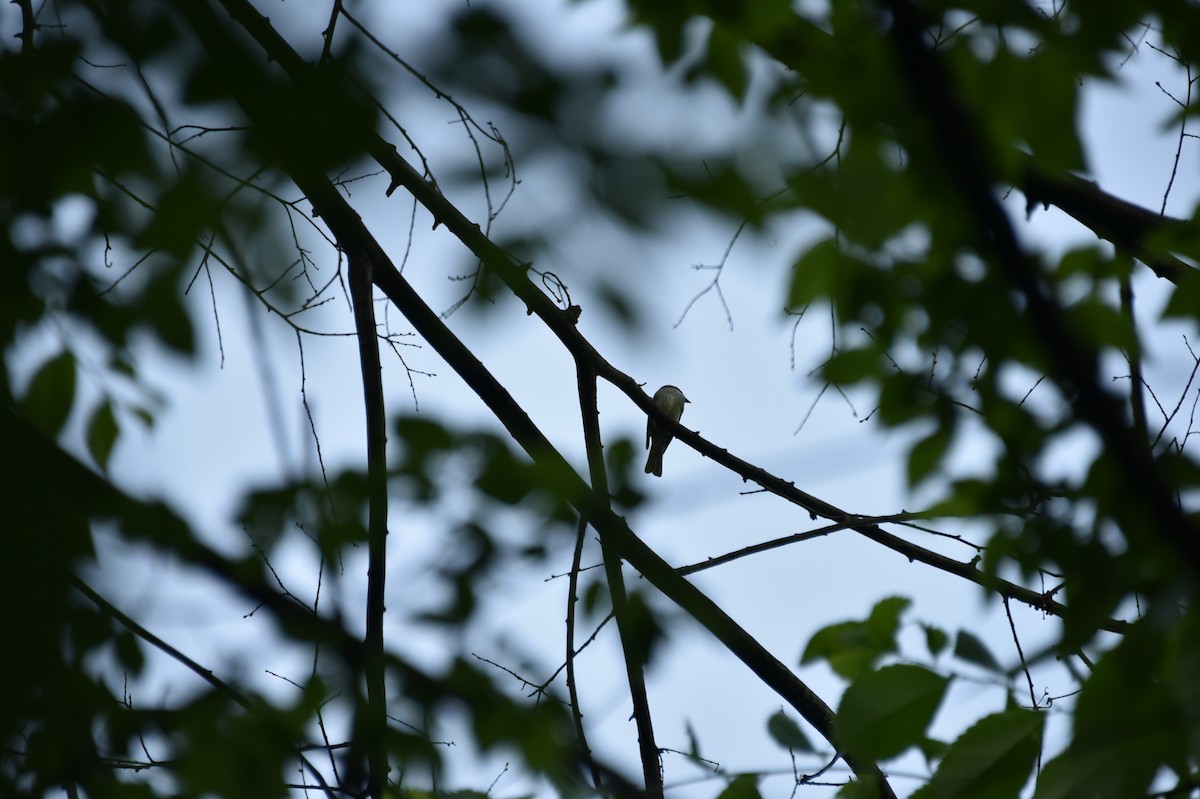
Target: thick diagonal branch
[{"x": 1132, "y": 229}]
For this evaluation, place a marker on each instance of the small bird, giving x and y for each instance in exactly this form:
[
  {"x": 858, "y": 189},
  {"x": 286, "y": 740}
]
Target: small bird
[{"x": 670, "y": 401}]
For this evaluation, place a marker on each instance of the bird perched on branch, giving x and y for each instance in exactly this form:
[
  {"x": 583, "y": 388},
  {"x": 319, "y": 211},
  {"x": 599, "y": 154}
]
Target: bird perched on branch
[{"x": 670, "y": 401}]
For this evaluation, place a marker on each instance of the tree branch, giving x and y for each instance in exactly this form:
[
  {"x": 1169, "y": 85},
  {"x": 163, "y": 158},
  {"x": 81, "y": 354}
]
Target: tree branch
[
  {"x": 585, "y": 750},
  {"x": 635, "y": 658},
  {"x": 371, "y": 723},
  {"x": 1131, "y": 228},
  {"x": 28, "y": 26}
]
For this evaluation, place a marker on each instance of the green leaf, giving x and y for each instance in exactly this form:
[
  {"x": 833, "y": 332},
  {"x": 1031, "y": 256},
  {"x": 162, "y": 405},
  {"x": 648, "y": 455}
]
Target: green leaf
[
  {"x": 884, "y": 621},
  {"x": 422, "y": 435},
  {"x": 787, "y": 733},
  {"x": 1135, "y": 717},
  {"x": 334, "y": 511},
  {"x": 853, "y": 647},
  {"x": 813, "y": 274},
  {"x": 927, "y": 453},
  {"x": 624, "y": 459},
  {"x": 725, "y": 62},
  {"x": 721, "y": 186},
  {"x": 129, "y": 652},
  {"x": 642, "y": 632},
  {"x": 596, "y": 597},
  {"x": 47, "y": 404},
  {"x": 887, "y": 711},
  {"x": 936, "y": 639},
  {"x": 848, "y": 367},
  {"x": 167, "y": 314},
  {"x": 143, "y": 415},
  {"x": 903, "y": 398},
  {"x": 744, "y": 786},
  {"x": 932, "y": 749},
  {"x": 1089, "y": 262},
  {"x": 102, "y": 431},
  {"x": 184, "y": 210},
  {"x": 968, "y": 647},
  {"x": 1103, "y": 324},
  {"x": 666, "y": 21},
  {"x": 991, "y": 760}
]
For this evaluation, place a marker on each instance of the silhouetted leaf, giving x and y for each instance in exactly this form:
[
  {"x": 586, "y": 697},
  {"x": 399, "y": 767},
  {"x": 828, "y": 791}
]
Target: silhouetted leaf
[
  {"x": 991, "y": 760},
  {"x": 884, "y": 712},
  {"x": 968, "y": 647},
  {"x": 936, "y": 639},
  {"x": 743, "y": 786},
  {"x": 854, "y": 647},
  {"x": 787, "y": 733},
  {"x": 51, "y": 394},
  {"x": 102, "y": 431},
  {"x": 927, "y": 454}
]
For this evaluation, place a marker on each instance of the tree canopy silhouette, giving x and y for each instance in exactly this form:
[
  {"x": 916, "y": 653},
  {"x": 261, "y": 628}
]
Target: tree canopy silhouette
[{"x": 156, "y": 150}]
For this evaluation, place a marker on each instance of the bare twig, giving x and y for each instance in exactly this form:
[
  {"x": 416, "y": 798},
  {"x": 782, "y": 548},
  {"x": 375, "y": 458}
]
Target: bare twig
[{"x": 569, "y": 661}]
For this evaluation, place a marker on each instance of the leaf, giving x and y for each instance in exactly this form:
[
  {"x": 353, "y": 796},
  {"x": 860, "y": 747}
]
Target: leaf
[
  {"x": 1134, "y": 717},
  {"x": 902, "y": 398},
  {"x": 642, "y": 632},
  {"x": 102, "y": 431},
  {"x": 666, "y": 21},
  {"x": 853, "y": 647},
  {"x": 991, "y": 760},
  {"x": 624, "y": 460},
  {"x": 848, "y": 367},
  {"x": 51, "y": 395},
  {"x": 1101, "y": 323},
  {"x": 693, "y": 750},
  {"x": 887, "y": 711},
  {"x": 936, "y": 639},
  {"x": 184, "y": 210},
  {"x": 927, "y": 454},
  {"x": 333, "y": 510},
  {"x": 143, "y": 415},
  {"x": 968, "y": 647},
  {"x": 1090, "y": 262},
  {"x": 827, "y": 271},
  {"x": 129, "y": 652},
  {"x": 168, "y": 316},
  {"x": 744, "y": 786},
  {"x": 787, "y": 733},
  {"x": 1185, "y": 298},
  {"x": 884, "y": 620},
  {"x": 932, "y": 749},
  {"x": 725, "y": 62}
]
